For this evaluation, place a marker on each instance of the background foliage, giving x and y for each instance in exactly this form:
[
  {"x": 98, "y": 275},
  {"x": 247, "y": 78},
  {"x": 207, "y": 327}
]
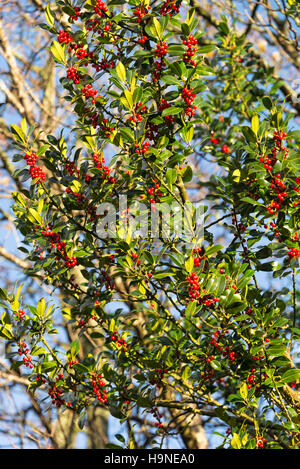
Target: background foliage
[{"x": 162, "y": 102}]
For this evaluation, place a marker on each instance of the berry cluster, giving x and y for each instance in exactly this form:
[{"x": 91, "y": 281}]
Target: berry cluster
[
  {"x": 60, "y": 246},
  {"x": 261, "y": 441},
  {"x": 279, "y": 188},
  {"x": 81, "y": 53},
  {"x": 190, "y": 42},
  {"x": 36, "y": 172},
  {"x": 64, "y": 37},
  {"x": 140, "y": 12},
  {"x": 79, "y": 197},
  {"x": 107, "y": 280},
  {"x": 157, "y": 416},
  {"x": 225, "y": 149},
  {"x": 252, "y": 378},
  {"x": 73, "y": 75},
  {"x": 278, "y": 138},
  {"x": 188, "y": 97},
  {"x": 31, "y": 159},
  {"x": 106, "y": 129},
  {"x": 214, "y": 140},
  {"x": 161, "y": 49},
  {"x": 105, "y": 170},
  {"x": 135, "y": 257},
  {"x": 72, "y": 169},
  {"x": 199, "y": 256},
  {"x": 72, "y": 362},
  {"x": 89, "y": 92},
  {"x": 194, "y": 292},
  {"x": 55, "y": 394},
  {"x": 157, "y": 378},
  {"x": 101, "y": 9},
  {"x": 194, "y": 286},
  {"x": 21, "y": 315},
  {"x": 77, "y": 13},
  {"x": 293, "y": 253},
  {"x": 70, "y": 262},
  {"x": 160, "y": 52},
  {"x": 142, "y": 39},
  {"x": 138, "y": 111},
  {"x": 24, "y": 351},
  {"x": 165, "y": 105},
  {"x": 141, "y": 150},
  {"x": 229, "y": 354},
  {"x": 40, "y": 379},
  {"x": 105, "y": 65},
  {"x": 158, "y": 68},
  {"x": 270, "y": 160},
  {"x": 151, "y": 131},
  {"x": 121, "y": 343},
  {"x": 154, "y": 193},
  {"x": 218, "y": 335},
  {"x": 93, "y": 24},
  {"x": 170, "y": 8},
  {"x": 98, "y": 388}
]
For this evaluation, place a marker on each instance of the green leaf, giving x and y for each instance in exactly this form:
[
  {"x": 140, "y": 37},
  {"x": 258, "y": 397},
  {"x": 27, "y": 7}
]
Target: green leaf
[
  {"x": 291, "y": 375},
  {"x": 155, "y": 27},
  {"x": 187, "y": 174},
  {"x": 34, "y": 216},
  {"x": 223, "y": 27},
  {"x": 176, "y": 50},
  {"x": 187, "y": 133},
  {"x": 121, "y": 71},
  {"x": 191, "y": 308},
  {"x": 207, "y": 49},
  {"x": 165, "y": 340},
  {"x": 49, "y": 15},
  {"x": 18, "y": 132},
  {"x": 75, "y": 347},
  {"x": 236, "y": 175},
  {"x": 127, "y": 134},
  {"x": 5, "y": 319},
  {"x": 128, "y": 99},
  {"x": 255, "y": 123},
  {"x": 251, "y": 201},
  {"x": 205, "y": 71},
  {"x": 170, "y": 111},
  {"x": 6, "y": 333},
  {"x": 116, "y": 412},
  {"x": 236, "y": 441},
  {"x": 41, "y": 307},
  {"x": 38, "y": 351},
  {"x": 3, "y": 294},
  {"x": 58, "y": 52},
  {"x": 171, "y": 176},
  {"x": 244, "y": 391},
  {"x": 249, "y": 134},
  {"x": 170, "y": 80},
  {"x": 267, "y": 102},
  {"x": 42, "y": 150},
  {"x": 212, "y": 249},
  {"x": 24, "y": 125},
  {"x": 120, "y": 437},
  {"x": 189, "y": 264},
  {"x": 186, "y": 373},
  {"x": 190, "y": 16}
]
